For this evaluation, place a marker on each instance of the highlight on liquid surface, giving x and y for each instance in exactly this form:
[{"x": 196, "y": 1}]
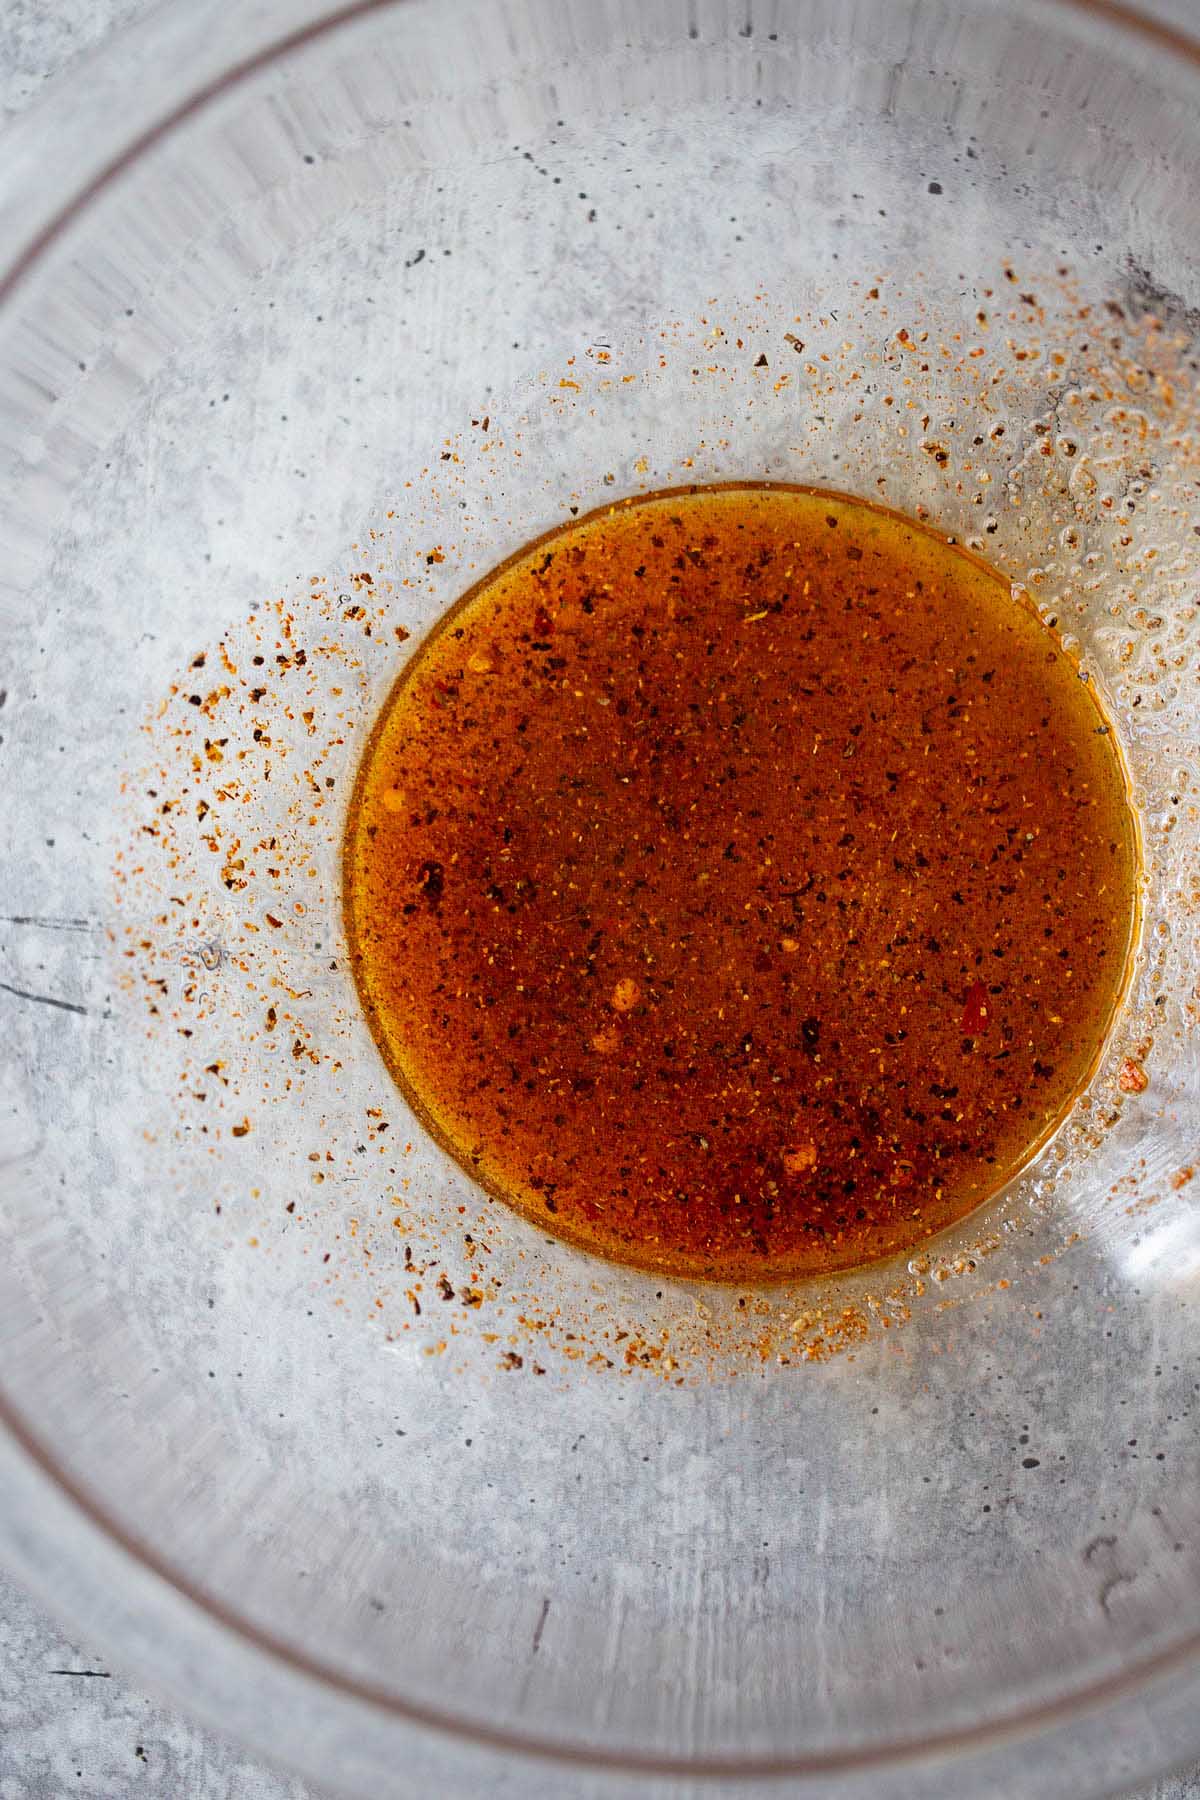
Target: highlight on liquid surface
[{"x": 741, "y": 882}]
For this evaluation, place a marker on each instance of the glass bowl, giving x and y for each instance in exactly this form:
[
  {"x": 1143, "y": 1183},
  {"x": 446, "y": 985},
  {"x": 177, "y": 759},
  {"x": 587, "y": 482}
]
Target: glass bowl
[{"x": 308, "y": 318}]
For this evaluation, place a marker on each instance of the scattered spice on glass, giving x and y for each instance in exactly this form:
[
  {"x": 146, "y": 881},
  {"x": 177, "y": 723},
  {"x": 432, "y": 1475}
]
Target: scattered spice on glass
[{"x": 740, "y": 882}]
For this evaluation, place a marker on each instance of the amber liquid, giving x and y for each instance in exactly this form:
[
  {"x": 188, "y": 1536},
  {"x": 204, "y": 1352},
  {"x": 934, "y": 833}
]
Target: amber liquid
[{"x": 741, "y": 882}]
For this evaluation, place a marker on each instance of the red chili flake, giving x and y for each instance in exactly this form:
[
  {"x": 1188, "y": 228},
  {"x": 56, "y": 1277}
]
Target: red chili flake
[
  {"x": 1132, "y": 1078},
  {"x": 543, "y": 624},
  {"x": 977, "y": 1010}
]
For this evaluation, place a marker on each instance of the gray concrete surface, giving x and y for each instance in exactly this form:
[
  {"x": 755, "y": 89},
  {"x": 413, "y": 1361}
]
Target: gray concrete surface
[{"x": 69, "y": 1724}]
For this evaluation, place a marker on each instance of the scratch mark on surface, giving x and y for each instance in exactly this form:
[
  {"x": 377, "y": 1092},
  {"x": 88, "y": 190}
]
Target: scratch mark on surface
[
  {"x": 540, "y": 1626},
  {"x": 44, "y": 999},
  {"x": 83, "y": 1674},
  {"x": 47, "y": 923}
]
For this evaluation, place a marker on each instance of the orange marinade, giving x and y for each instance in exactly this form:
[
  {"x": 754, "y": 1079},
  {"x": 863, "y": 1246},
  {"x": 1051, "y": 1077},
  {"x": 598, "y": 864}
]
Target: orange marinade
[{"x": 740, "y": 882}]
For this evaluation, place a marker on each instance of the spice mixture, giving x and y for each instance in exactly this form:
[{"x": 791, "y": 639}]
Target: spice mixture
[{"x": 740, "y": 882}]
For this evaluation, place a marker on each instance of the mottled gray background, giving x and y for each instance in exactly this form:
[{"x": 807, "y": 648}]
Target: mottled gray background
[{"x": 68, "y": 1723}]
